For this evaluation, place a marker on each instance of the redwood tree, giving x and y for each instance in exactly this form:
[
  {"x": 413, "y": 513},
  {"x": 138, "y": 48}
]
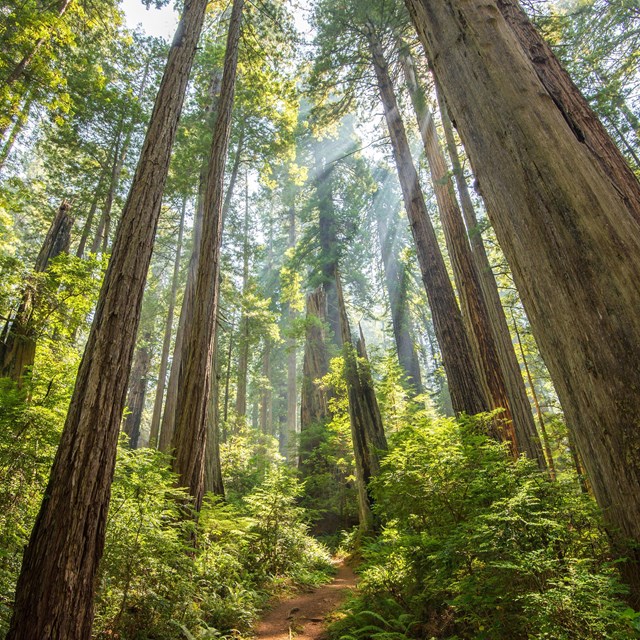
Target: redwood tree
[
  {"x": 189, "y": 439},
  {"x": 54, "y": 595},
  {"x": 573, "y": 246}
]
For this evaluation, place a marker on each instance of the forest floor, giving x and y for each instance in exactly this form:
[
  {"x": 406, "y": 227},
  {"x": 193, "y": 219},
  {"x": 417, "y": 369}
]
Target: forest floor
[{"x": 303, "y": 616}]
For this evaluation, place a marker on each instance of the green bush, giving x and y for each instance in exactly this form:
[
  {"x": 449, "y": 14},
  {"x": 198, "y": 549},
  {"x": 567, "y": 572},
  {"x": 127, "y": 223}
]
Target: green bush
[{"x": 479, "y": 546}]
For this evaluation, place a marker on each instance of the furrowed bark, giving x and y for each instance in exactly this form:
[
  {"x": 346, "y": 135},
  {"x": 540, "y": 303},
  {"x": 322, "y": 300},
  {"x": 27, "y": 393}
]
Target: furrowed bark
[
  {"x": 526, "y": 433},
  {"x": 54, "y": 596},
  {"x": 189, "y": 439},
  {"x": 466, "y": 392},
  {"x": 573, "y": 248}
]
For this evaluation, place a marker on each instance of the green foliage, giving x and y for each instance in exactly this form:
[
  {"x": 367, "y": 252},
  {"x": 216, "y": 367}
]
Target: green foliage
[{"x": 479, "y": 546}]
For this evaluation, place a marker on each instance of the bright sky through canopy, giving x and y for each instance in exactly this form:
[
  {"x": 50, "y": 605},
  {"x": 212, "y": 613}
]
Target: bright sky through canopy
[{"x": 155, "y": 22}]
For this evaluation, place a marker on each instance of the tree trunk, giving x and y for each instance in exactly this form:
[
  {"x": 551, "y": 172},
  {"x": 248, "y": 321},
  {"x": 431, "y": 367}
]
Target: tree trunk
[
  {"x": 243, "y": 356},
  {"x": 166, "y": 342},
  {"x": 266, "y": 393},
  {"x": 367, "y": 431},
  {"x": 289, "y": 445},
  {"x": 575, "y": 110},
  {"x": 327, "y": 234},
  {"x": 519, "y": 402},
  {"x": 186, "y": 311},
  {"x": 474, "y": 309},
  {"x": 397, "y": 282},
  {"x": 534, "y": 395},
  {"x": 86, "y": 229},
  {"x": 137, "y": 393},
  {"x": 54, "y": 595},
  {"x": 189, "y": 439},
  {"x": 466, "y": 392},
  {"x": 17, "y": 353},
  {"x": 18, "y": 125},
  {"x": 314, "y": 401},
  {"x": 574, "y": 247},
  {"x": 213, "y": 469}
]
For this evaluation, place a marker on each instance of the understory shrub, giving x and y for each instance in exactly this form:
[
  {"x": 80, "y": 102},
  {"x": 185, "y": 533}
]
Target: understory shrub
[{"x": 477, "y": 545}]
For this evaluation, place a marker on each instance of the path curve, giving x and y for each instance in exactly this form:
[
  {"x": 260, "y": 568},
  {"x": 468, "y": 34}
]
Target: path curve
[{"x": 302, "y": 617}]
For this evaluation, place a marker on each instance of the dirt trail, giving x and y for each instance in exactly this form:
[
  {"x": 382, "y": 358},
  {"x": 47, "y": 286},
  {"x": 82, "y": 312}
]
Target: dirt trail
[{"x": 302, "y": 617}]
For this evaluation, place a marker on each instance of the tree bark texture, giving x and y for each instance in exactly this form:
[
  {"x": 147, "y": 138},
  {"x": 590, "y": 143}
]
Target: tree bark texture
[
  {"x": 475, "y": 314},
  {"x": 573, "y": 246},
  {"x": 266, "y": 392},
  {"x": 167, "y": 426},
  {"x": 54, "y": 596},
  {"x": 314, "y": 400},
  {"x": 213, "y": 469},
  {"x": 526, "y": 433},
  {"x": 579, "y": 116},
  {"x": 189, "y": 439},
  {"x": 464, "y": 386}
]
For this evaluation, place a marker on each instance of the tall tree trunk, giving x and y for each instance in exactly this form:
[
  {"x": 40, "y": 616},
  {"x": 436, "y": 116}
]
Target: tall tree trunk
[
  {"x": 474, "y": 308},
  {"x": 54, "y": 595},
  {"x": 397, "y": 281},
  {"x": 289, "y": 445},
  {"x": 86, "y": 229},
  {"x": 266, "y": 393},
  {"x": 213, "y": 468},
  {"x": 167, "y": 426},
  {"x": 17, "y": 352},
  {"x": 519, "y": 402},
  {"x": 464, "y": 386},
  {"x": 189, "y": 439},
  {"x": 137, "y": 392},
  {"x": 367, "y": 431},
  {"x": 314, "y": 401},
  {"x": 166, "y": 342},
  {"x": 243, "y": 355},
  {"x": 534, "y": 395},
  {"x": 574, "y": 247},
  {"x": 327, "y": 233}
]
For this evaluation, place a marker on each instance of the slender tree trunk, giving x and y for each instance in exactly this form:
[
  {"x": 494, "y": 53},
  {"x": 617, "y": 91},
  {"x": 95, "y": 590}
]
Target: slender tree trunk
[
  {"x": 54, "y": 596},
  {"x": 227, "y": 382},
  {"x": 189, "y": 439},
  {"x": 518, "y": 399},
  {"x": 314, "y": 402},
  {"x": 291, "y": 432},
  {"x": 534, "y": 395},
  {"x": 573, "y": 248},
  {"x": 367, "y": 431},
  {"x": 17, "y": 352},
  {"x": 166, "y": 342},
  {"x": 186, "y": 311},
  {"x": 137, "y": 393},
  {"x": 243, "y": 356},
  {"x": 213, "y": 468},
  {"x": 397, "y": 281},
  {"x": 266, "y": 394},
  {"x": 18, "y": 125},
  {"x": 466, "y": 392},
  {"x": 86, "y": 229}
]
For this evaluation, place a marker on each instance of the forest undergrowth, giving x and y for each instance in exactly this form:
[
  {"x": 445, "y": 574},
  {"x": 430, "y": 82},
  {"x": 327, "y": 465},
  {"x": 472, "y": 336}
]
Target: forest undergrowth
[{"x": 476, "y": 545}]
